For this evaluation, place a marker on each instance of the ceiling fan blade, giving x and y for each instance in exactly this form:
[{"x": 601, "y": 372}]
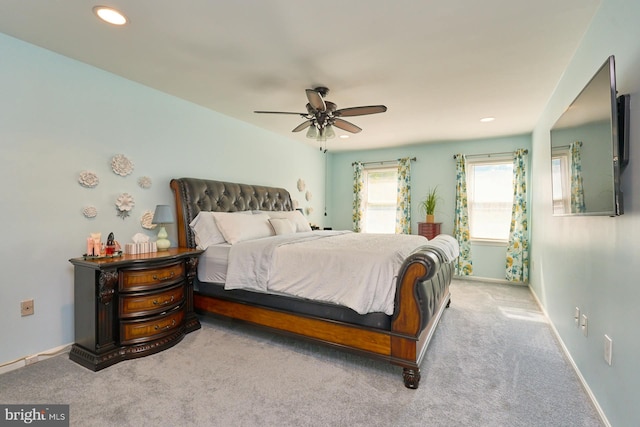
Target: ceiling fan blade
[
  {"x": 315, "y": 99},
  {"x": 345, "y": 125},
  {"x": 360, "y": 111},
  {"x": 280, "y": 112},
  {"x": 302, "y": 126}
]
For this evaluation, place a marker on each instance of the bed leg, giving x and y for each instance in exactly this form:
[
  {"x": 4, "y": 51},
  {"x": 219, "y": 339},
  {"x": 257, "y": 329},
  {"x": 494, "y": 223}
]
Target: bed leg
[
  {"x": 411, "y": 377},
  {"x": 448, "y": 303}
]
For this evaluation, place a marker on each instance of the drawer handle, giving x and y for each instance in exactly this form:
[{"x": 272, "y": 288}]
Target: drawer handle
[
  {"x": 165, "y": 302},
  {"x": 170, "y": 276},
  {"x": 157, "y": 327}
]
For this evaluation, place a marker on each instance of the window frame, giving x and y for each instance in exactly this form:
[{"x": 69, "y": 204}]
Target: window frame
[
  {"x": 365, "y": 191},
  {"x": 471, "y": 164},
  {"x": 563, "y": 155}
]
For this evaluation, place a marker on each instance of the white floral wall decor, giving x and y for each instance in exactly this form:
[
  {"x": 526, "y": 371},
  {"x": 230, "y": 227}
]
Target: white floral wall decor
[
  {"x": 146, "y": 219},
  {"x": 124, "y": 204},
  {"x": 121, "y": 165},
  {"x": 144, "y": 182},
  {"x": 309, "y": 210},
  {"x": 90, "y": 211},
  {"x": 301, "y": 184},
  {"x": 308, "y": 196},
  {"x": 88, "y": 179}
]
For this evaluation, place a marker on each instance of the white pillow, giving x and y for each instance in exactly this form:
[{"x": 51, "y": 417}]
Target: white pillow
[
  {"x": 282, "y": 226},
  {"x": 237, "y": 228},
  {"x": 206, "y": 230},
  {"x": 295, "y": 217}
]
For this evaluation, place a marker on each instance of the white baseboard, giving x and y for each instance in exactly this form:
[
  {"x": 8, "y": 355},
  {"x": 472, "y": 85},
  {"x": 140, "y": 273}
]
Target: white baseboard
[
  {"x": 565, "y": 350},
  {"x": 489, "y": 280},
  {"x": 34, "y": 358}
]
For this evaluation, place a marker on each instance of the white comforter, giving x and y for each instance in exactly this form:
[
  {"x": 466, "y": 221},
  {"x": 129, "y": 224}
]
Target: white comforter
[{"x": 351, "y": 269}]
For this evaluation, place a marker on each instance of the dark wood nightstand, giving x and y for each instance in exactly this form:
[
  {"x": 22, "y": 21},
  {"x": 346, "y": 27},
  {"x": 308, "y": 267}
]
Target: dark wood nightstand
[
  {"x": 429, "y": 229},
  {"x": 132, "y": 306}
]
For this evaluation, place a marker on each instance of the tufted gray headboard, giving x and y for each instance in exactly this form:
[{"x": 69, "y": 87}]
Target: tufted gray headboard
[{"x": 193, "y": 195}]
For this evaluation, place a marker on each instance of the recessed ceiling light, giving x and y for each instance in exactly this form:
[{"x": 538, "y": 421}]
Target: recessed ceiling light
[
  {"x": 110, "y": 15},
  {"x": 487, "y": 119},
  {"x": 344, "y": 136}
]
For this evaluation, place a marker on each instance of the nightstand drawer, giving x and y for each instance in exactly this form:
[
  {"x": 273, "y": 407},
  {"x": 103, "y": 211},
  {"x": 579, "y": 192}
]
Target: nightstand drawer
[
  {"x": 142, "y": 305},
  {"x": 139, "y": 331},
  {"x": 150, "y": 278}
]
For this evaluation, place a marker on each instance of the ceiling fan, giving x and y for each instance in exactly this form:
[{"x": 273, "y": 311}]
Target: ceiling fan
[{"x": 322, "y": 115}]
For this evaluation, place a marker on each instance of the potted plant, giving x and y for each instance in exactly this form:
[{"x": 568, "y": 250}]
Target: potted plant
[{"x": 428, "y": 205}]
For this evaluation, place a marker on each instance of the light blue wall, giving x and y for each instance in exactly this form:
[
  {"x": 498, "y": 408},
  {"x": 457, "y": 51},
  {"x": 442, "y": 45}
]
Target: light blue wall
[
  {"x": 434, "y": 166},
  {"x": 59, "y": 117},
  {"x": 592, "y": 262}
]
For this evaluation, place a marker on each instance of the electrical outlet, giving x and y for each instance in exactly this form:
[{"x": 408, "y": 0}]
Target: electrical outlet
[
  {"x": 608, "y": 349},
  {"x": 583, "y": 325},
  {"x": 576, "y": 316},
  {"x": 26, "y": 307},
  {"x": 30, "y": 360}
]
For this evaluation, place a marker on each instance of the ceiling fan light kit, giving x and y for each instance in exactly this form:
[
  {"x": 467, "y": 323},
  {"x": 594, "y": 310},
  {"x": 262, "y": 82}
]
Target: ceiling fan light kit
[
  {"x": 323, "y": 115},
  {"x": 321, "y": 134}
]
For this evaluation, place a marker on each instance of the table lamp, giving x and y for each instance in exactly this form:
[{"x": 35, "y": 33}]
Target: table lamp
[{"x": 163, "y": 215}]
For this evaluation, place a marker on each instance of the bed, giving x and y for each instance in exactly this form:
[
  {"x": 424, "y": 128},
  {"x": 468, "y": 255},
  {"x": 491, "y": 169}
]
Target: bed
[{"x": 400, "y": 336}]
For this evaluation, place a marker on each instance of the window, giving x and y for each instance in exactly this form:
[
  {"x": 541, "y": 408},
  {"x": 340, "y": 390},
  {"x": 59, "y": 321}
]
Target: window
[
  {"x": 380, "y": 198},
  {"x": 561, "y": 192},
  {"x": 490, "y": 198}
]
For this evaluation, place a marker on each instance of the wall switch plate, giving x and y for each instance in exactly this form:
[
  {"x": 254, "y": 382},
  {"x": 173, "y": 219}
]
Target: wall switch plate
[
  {"x": 608, "y": 349},
  {"x": 583, "y": 325},
  {"x": 26, "y": 307},
  {"x": 576, "y": 316}
]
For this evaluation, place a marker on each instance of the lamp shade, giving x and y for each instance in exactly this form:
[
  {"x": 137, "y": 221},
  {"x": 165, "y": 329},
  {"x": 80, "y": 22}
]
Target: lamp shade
[
  {"x": 328, "y": 132},
  {"x": 163, "y": 215},
  {"x": 312, "y": 132}
]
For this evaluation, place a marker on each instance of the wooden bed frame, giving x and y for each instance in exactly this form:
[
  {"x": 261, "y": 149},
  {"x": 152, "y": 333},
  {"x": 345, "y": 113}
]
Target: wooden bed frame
[{"x": 421, "y": 296}]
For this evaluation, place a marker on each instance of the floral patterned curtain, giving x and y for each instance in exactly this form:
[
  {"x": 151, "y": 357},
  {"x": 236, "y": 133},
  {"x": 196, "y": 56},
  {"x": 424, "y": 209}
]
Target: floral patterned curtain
[
  {"x": 518, "y": 246},
  {"x": 577, "y": 193},
  {"x": 358, "y": 196},
  {"x": 464, "y": 266},
  {"x": 403, "y": 204}
]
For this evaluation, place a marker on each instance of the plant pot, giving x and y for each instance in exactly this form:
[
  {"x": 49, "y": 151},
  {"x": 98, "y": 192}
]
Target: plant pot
[{"x": 431, "y": 219}]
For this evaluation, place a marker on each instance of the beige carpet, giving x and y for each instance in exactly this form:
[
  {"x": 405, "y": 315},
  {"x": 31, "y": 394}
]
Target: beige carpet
[{"x": 492, "y": 362}]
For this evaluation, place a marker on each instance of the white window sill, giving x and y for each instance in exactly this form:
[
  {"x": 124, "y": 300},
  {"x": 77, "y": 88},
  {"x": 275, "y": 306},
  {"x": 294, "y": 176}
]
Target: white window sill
[{"x": 489, "y": 242}]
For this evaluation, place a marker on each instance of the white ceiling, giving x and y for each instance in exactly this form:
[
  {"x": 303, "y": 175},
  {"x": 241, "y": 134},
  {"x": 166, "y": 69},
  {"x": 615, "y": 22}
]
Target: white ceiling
[{"x": 438, "y": 66}]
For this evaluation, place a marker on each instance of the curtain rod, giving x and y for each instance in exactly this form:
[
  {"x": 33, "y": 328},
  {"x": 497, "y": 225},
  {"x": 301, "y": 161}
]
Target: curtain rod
[
  {"x": 413, "y": 159},
  {"x": 455, "y": 156}
]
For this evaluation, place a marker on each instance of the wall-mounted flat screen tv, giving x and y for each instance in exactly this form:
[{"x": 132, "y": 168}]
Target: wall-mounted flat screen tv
[{"x": 589, "y": 149}]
